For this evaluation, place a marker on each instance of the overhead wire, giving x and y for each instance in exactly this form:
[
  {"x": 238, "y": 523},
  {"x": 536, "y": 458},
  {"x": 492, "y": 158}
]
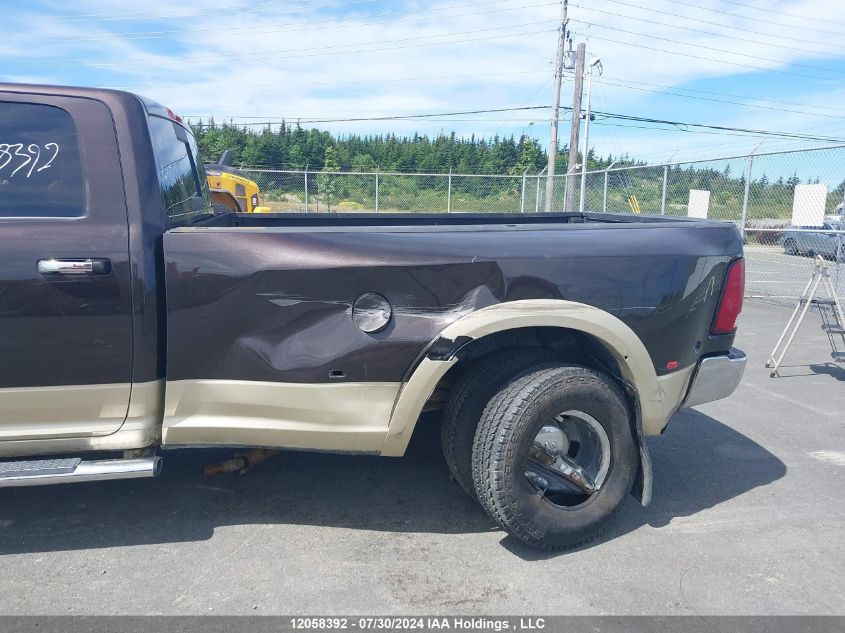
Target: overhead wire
[
  {"x": 722, "y": 94},
  {"x": 682, "y": 126},
  {"x": 170, "y": 15},
  {"x": 313, "y": 51},
  {"x": 677, "y": 16},
  {"x": 651, "y": 21},
  {"x": 425, "y": 14},
  {"x": 837, "y": 34},
  {"x": 342, "y": 82},
  {"x": 631, "y": 86},
  {"x": 709, "y": 48},
  {"x": 769, "y": 9},
  {"x": 711, "y": 59}
]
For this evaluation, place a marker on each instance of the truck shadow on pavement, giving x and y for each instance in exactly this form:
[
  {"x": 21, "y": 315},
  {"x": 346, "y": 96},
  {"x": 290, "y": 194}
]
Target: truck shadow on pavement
[{"x": 698, "y": 463}]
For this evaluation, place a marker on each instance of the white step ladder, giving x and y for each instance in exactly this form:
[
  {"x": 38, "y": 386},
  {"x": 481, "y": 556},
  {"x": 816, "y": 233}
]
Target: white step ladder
[{"x": 830, "y": 309}]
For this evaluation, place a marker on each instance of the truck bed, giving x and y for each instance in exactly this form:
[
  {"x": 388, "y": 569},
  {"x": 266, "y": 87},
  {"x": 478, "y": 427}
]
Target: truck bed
[{"x": 500, "y": 220}]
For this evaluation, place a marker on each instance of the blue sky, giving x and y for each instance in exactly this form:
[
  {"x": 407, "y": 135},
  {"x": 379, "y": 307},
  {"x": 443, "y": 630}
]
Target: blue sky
[{"x": 762, "y": 64}]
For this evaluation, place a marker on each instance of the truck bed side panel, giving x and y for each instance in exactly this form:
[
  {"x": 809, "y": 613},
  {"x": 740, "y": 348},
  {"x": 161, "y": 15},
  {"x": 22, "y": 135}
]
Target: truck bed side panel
[{"x": 274, "y": 304}]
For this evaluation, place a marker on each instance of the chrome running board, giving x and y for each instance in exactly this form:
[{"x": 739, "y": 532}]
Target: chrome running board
[{"x": 70, "y": 470}]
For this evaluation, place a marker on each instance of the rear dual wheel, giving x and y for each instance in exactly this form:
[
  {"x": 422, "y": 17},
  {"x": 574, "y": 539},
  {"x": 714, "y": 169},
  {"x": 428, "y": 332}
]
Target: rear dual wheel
[
  {"x": 467, "y": 399},
  {"x": 554, "y": 455}
]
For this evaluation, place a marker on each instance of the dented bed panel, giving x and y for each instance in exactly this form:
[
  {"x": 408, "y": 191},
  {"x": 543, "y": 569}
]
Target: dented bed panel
[{"x": 274, "y": 303}]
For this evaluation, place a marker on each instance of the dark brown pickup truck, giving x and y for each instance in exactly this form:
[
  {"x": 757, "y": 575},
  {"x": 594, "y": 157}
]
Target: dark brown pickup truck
[{"x": 133, "y": 319}]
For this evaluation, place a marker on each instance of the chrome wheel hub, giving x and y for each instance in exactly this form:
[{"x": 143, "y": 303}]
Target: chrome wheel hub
[{"x": 569, "y": 459}]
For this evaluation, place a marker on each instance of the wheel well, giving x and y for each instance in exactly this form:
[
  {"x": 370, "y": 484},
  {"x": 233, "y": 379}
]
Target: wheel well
[{"x": 573, "y": 346}]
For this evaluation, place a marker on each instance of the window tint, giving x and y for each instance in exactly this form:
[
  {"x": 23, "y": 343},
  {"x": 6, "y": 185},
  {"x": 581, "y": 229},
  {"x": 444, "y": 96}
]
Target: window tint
[
  {"x": 182, "y": 178},
  {"x": 40, "y": 172}
]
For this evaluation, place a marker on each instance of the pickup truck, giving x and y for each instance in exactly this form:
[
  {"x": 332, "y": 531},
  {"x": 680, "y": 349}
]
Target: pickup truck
[{"x": 135, "y": 319}]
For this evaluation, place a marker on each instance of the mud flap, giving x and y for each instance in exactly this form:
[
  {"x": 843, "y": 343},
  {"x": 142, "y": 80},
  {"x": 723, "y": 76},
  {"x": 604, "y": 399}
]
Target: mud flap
[
  {"x": 641, "y": 489},
  {"x": 642, "y": 483}
]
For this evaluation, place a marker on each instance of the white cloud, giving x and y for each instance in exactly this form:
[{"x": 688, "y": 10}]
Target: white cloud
[{"x": 271, "y": 60}]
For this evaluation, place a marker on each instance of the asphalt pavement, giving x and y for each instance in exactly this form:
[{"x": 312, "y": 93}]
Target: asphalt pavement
[
  {"x": 771, "y": 273},
  {"x": 748, "y": 517}
]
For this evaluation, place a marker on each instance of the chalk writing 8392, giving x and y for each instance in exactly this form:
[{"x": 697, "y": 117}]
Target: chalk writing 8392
[{"x": 17, "y": 159}]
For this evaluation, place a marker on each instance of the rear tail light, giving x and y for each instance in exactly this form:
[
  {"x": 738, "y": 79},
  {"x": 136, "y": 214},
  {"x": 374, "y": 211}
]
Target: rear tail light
[
  {"x": 173, "y": 116},
  {"x": 730, "y": 303}
]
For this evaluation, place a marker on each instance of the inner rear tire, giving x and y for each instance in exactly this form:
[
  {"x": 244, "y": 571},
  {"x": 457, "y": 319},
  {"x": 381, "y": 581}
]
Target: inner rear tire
[
  {"x": 470, "y": 395},
  {"x": 588, "y": 413}
]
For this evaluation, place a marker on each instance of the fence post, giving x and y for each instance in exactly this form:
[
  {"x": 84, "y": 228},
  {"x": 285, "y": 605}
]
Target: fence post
[
  {"x": 449, "y": 194},
  {"x": 663, "y": 195},
  {"x": 565, "y": 190},
  {"x": 306, "y": 189},
  {"x": 376, "y": 191},
  {"x": 522, "y": 194},
  {"x": 604, "y": 196},
  {"x": 537, "y": 202},
  {"x": 749, "y": 163}
]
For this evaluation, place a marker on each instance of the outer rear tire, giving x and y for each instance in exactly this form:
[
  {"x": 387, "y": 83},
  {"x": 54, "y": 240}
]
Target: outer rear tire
[
  {"x": 790, "y": 247},
  {"x": 509, "y": 427},
  {"x": 466, "y": 402}
]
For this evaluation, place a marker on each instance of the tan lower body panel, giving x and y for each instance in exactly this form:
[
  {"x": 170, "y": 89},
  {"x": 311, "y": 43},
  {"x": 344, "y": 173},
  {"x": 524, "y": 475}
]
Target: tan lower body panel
[
  {"x": 674, "y": 388},
  {"x": 351, "y": 417},
  {"x": 32, "y": 413},
  {"x": 138, "y": 426}
]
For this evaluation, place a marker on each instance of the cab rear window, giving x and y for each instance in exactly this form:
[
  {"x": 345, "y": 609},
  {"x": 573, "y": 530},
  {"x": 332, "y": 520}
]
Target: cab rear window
[
  {"x": 184, "y": 185},
  {"x": 40, "y": 171}
]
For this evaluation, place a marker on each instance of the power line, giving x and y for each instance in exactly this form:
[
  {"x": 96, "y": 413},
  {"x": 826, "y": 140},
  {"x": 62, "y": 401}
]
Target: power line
[
  {"x": 364, "y": 81},
  {"x": 784, "y": 13},
  {"x": 707, "y": 132},
  {"x": 170, "y": 15},
  {"x": 382, "y": 45},
  {"x": 401, "y": 117},
  {"x": 837, "y": 34},
  {"x": 709, "y": 59},
  {"x": 680, "y": 125},
  {"x": 726, "y": 94},
  {"x": 709, "y": 48},
  {"x": 676, "y": 16},
  {"x": 653, "y": 22},
  {"x": 630, "y": 85},
  {"x": 312, "y": 24}
]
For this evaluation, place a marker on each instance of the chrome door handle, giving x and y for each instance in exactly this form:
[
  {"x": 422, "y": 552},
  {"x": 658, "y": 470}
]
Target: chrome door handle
[{"x": 74, "y": 266}]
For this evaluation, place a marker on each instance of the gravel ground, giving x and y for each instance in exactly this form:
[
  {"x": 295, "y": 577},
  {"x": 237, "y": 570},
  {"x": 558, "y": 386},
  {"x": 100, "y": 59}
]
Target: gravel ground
[{"x": 748, "y": 518}]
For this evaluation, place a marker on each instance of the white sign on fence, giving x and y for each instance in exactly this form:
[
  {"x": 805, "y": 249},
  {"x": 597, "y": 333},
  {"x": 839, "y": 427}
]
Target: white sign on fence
[
  {"x": 808, "y": 205},
  {"x": 699, "y": 203}
]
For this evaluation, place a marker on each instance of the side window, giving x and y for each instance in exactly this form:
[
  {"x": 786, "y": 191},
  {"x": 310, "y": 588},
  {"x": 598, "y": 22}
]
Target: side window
[
  {"x": 40, "y": 170},
  {"x": 184, "y": 186}
]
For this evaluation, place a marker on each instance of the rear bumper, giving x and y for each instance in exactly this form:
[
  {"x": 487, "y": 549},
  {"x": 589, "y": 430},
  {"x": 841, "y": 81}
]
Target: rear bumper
[{"x": 716, "y": 377}]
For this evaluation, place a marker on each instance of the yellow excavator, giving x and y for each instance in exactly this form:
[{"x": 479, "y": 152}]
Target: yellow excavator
[{"x": 233, "y": 189}]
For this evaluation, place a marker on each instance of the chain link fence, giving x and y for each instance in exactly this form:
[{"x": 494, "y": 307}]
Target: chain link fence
[
  {"x": 788, "y": 205},
  {"x": 393, "y": 192},
  {"x": 760, "y": 193}
]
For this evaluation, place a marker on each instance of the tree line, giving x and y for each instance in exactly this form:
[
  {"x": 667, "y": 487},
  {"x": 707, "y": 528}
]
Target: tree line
[{"x": 294, "y": 147}]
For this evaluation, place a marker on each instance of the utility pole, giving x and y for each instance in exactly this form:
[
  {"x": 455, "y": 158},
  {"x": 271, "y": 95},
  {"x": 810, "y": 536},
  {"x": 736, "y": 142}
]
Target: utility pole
[
  {"x": 595, "y": 62},
  {"x": 576, "y": 127},
  {"x": 561, "y": 42}
]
